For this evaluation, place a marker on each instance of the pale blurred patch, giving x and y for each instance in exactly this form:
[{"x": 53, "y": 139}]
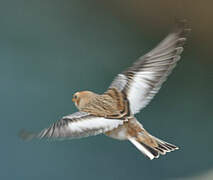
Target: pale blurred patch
[{"x": 208, "y": 175}]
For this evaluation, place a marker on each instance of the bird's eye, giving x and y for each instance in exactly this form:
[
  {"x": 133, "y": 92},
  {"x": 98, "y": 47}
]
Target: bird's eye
[{"x": 75, "y": 97}]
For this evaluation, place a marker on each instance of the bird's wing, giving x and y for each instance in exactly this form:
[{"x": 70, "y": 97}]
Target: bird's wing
[
  {"x": 143, "y": 79},
  {"x": 77, "y": 125}
]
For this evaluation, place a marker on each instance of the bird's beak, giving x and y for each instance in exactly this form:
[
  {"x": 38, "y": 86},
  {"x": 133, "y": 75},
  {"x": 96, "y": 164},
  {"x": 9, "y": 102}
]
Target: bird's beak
[{"x": 73, "y": 100}]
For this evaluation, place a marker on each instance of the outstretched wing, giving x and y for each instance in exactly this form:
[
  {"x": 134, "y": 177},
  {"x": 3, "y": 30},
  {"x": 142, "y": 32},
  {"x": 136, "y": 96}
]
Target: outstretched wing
[
  {"x": 77, "y": 125},
  {"x": 143, "y": 80}
]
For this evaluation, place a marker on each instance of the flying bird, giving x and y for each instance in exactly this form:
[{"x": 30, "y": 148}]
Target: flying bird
[{"x": 113, "y": 112}]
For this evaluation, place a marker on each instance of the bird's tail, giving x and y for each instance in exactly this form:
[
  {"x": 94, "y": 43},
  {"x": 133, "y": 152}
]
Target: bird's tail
[{"x": 151, "y": 146}]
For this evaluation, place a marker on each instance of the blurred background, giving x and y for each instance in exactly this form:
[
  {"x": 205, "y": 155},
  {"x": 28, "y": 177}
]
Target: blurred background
[{"x": 51, "y": 49}]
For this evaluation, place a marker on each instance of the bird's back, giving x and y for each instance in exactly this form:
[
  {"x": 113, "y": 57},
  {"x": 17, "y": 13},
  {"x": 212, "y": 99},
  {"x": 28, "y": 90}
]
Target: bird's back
[{"x": 111, "y": 104}]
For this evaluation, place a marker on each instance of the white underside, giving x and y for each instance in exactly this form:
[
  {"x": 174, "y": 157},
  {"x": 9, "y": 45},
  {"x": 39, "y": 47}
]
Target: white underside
[{"x": 119, "y": 133}]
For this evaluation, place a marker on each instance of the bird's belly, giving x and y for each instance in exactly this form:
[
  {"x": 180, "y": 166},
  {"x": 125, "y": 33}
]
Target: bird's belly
[{"x": 119, "y": 133}]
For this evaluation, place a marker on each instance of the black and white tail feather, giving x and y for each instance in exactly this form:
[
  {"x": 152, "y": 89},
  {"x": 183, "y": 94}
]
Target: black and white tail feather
[{"x": 153, "y": 152}]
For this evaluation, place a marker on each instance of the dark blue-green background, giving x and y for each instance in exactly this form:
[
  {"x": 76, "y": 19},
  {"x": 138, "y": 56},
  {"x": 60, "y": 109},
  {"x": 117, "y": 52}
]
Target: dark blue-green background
[{"x": 51, "y": 49}]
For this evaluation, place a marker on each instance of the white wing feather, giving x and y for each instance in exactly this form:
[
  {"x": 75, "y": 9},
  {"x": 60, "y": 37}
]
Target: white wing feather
[
  {"x": 143, "y": 80},
  {"x": 77, "y": 125}
]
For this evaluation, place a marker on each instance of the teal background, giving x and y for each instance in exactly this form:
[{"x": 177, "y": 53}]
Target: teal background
[{"x": 51, "y": 49}]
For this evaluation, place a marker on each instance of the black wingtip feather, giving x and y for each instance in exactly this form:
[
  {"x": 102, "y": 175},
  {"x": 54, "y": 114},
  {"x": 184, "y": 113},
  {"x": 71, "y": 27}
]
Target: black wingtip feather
[{"x": 181, "y": 27}]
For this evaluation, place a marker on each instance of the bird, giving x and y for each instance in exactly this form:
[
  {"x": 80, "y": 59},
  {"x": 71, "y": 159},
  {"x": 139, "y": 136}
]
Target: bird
[{"x": 113, "y": 112}]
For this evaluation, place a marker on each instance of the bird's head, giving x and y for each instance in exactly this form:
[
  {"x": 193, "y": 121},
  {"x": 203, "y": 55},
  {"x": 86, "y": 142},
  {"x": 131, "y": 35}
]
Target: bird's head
[{"x": 82, "y": 98}]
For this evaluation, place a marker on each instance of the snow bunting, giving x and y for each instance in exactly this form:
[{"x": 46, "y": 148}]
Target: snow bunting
[{"x": 112, "y": 113}]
